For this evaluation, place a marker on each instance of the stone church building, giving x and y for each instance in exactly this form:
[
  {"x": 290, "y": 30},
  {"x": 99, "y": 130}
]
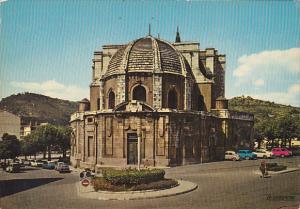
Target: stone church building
[{"x": 162, "y": 100}]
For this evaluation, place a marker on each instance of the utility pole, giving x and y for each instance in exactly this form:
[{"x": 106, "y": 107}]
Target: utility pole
[{"x": 139, "y": 143}]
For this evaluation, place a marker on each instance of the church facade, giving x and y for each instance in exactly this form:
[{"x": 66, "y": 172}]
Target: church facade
[{"x": 162, "y": 101}]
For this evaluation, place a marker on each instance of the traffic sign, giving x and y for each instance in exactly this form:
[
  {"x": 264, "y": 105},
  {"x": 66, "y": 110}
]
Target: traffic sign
[{"x": 85, "y": 182}]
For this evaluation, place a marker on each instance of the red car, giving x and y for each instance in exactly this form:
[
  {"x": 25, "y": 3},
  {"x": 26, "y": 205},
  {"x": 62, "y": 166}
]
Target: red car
[{"x": 280, "y": 152}]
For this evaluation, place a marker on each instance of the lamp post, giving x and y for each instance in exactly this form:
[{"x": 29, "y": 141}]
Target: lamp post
[{"x": 139, "y": 143}]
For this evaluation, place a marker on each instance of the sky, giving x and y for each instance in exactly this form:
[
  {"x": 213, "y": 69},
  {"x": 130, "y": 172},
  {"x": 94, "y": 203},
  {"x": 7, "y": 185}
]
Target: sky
[{"x": 47, "y": 46}]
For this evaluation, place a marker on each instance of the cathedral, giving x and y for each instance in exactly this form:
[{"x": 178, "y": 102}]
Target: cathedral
[{"x": 156, "y": 103}]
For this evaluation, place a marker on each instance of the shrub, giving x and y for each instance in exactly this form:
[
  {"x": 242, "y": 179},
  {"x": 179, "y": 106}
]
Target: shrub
[
  {"x": 271, "y": 165},
  {"x": 133, "y": 176},
  {"x": 277, "y": 168},
  {"x": 296, "y": 152},
  {"x": 100, "y": 183}
]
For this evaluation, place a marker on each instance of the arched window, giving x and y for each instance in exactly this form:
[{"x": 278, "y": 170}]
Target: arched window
[
  {"x": 111, "y": 100},
  {"x": 139, "y": 93},
  {"x": 172, "y": 99}
]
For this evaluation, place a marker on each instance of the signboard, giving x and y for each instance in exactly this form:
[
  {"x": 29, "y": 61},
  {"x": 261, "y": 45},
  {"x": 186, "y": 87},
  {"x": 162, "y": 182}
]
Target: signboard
[
  {"x": 85, "y": 178},
  {"x": 85, "y": 182}
]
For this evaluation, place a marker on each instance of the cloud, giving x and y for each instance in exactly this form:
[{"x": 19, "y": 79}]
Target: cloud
[
  {"x": 268, "y": 60},
  {"x": 53, "y": 89},
  {"x": 289, "y": 97},
  {"x": 2, "y": 1},
  {"x": 259, "y": 82}
]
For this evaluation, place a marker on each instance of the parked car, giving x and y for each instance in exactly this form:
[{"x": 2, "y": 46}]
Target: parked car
[
  {"x": 62, "y": 167},
  {"x": 231, "y": 155},
  {"x": 247, "y": 154},
  {"x": 49, "y": 165},
  {"x": 262, "y": 153},
  {"x": 26, "y": 162},
  {"x": 58, "y": 164},
  {"x": 37, "y": 163},
  {"x": 13, "y": 168},
  {"x": 280, "y": 152}
]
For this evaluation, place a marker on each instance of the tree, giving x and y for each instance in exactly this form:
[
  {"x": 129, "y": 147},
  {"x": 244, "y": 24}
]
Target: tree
[
  {"x": 288, "y": 128},
  {"x": 9, "y": 147},
  {"x": 259, "y": 132},
  {"x": 29, "y": 145},
  {"x": 270, "y": 130},
  {"x": 46, "y": 137},
  {"x": 64, "y": 138}
]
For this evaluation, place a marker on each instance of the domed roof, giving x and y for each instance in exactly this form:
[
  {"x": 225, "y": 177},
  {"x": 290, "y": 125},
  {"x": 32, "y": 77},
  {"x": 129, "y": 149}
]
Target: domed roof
[{"x": 146, "y": 54}]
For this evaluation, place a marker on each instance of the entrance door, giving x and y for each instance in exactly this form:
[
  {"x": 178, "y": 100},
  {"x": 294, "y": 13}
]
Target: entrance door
[{"x": 132, "y": 152}]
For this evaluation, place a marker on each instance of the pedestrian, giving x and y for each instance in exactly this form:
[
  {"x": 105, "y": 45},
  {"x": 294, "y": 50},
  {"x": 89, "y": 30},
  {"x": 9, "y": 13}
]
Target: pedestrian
[{"x": 263, "y": 168}]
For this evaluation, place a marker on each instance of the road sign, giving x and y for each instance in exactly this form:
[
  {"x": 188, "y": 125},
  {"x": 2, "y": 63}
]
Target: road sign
[{"x": 85, "y": 182}]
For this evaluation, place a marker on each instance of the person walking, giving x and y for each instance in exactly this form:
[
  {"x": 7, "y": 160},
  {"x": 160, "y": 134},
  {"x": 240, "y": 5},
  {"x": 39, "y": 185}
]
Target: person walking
[{"x": 263, "y": 168}]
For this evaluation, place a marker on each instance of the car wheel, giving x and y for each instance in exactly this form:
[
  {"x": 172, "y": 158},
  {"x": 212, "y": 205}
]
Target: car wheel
[
  {"x": 234, "y": 159},
  {"x": 265, "y": 156}
]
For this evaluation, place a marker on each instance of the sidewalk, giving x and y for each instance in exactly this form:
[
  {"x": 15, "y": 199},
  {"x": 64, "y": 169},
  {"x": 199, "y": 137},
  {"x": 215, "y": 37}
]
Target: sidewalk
[{"x": 88, "y": 192}]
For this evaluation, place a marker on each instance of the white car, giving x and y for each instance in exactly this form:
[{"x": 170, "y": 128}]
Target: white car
[
  {"x": 231, "y": 155},
  {"x": 37, "y": 163},
  {"x": 262, "y": 153}
]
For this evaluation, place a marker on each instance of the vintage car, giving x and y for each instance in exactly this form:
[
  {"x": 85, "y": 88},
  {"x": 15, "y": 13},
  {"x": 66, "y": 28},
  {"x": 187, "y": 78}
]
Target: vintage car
[
  {"x": 247, "y": 154},
  {"x": 231, "y": 155},
  {"x": 262, "y": 153}
]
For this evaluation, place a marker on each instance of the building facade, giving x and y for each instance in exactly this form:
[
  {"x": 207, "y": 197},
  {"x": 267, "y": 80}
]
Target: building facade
[
  {"x": 160, "y": 100},
  {"x": 9, "y": 123}
]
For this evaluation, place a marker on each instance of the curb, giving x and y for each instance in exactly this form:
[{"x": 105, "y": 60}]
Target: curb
[
  {"x": 286, "y": 171},
  {"x": 274, "y": 173},
  {"x": 137, "y": 195}
]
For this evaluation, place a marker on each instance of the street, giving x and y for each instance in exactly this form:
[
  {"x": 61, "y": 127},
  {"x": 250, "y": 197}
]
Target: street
[{"x": 221, "y": 185}]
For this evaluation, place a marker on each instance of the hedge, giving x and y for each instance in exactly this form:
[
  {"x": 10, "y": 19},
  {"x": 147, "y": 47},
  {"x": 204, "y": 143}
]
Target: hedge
[
  {"x": 296, "y": 152},
  {"x": 275, "y": 167},
  {"x": 100, "y": 183},
  {"x": 271, "y": 165},
  {"x": 133, "y": 176}
]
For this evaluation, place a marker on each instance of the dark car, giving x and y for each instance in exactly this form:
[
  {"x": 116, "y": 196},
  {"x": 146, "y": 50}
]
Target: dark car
[
  {"x": 13, "y": 168},
  {"x": 62, "y": 167}
]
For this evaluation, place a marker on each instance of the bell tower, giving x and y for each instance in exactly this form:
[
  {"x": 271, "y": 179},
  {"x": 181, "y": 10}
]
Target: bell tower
[{"x": 177, "y": 39}]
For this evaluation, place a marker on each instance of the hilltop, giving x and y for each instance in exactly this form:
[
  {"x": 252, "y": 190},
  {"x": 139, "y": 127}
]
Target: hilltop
[
  {"x": 262, "y": 110},
  {"x": 40, "y": 108}
]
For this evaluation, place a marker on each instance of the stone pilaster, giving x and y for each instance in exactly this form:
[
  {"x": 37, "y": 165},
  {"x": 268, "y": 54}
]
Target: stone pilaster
[
  {"x": 101, "y": 95},
  {"x": 188, "y": 93},
  {"x": 157, "y": 91},
  {"x": 121, "y": 90}
]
